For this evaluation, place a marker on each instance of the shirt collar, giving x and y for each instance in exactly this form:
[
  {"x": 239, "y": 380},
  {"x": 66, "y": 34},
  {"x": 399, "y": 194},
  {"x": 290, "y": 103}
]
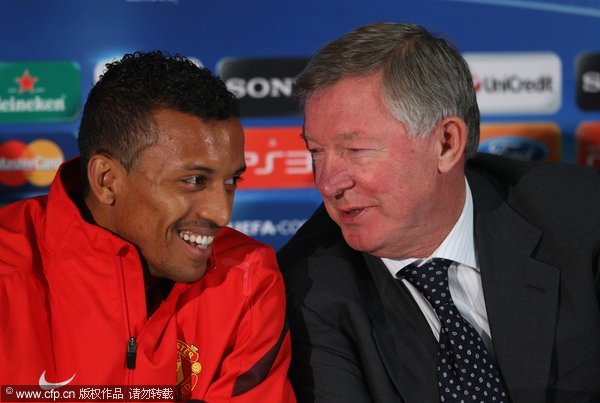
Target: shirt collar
[{"x": 459, "y": 244}]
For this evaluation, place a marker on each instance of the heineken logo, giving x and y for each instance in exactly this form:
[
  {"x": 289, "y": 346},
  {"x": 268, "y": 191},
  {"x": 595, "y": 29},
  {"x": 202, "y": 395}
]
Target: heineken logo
[
  {"x": 26, "y": 82},
  {"x": 39, "y": 92}
]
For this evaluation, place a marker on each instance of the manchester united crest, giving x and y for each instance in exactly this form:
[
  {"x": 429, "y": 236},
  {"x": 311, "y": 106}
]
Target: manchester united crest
[{"x": 188, "y": 369}]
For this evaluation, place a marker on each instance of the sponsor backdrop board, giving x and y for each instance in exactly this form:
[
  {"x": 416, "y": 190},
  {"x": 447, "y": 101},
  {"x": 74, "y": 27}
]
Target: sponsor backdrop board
[{"x": 535, "y": 65}]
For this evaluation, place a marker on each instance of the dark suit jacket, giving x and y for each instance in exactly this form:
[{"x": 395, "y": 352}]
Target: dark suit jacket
[{"x": 358, "y": 336}]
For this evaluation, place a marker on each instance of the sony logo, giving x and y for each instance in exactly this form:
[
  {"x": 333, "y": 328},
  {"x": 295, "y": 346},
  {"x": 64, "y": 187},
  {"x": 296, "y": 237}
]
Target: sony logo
[
  {"x": 260, "y": 87},
  {"x": 590, "y": 81},
  {"x": 263, "y": 85}
]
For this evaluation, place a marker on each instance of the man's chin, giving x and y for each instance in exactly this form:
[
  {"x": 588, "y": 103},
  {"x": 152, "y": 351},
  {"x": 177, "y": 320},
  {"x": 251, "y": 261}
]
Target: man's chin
[
  {"x": 188, "y": 274},
  {"x": 359, "y": 242},
  {"x": 368, "y": 242}
]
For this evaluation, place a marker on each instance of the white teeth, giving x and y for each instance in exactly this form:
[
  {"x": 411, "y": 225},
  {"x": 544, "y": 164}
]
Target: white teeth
[
  {"x": 200, "y": 241},
  {"x": 204, "y": 241}
]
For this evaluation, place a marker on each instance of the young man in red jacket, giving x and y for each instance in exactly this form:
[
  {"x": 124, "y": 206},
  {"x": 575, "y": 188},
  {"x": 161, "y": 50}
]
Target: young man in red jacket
[{"x": 125, "y": 274}]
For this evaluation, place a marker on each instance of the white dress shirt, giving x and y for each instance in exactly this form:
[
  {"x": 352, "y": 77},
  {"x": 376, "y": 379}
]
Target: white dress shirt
[{"x": 464, "y": 278}]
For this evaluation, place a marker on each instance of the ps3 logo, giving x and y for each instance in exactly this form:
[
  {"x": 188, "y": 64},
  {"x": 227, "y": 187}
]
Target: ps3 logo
[
  {"x": 276, "y": 158},
  {"x": 292, "y": 162}
]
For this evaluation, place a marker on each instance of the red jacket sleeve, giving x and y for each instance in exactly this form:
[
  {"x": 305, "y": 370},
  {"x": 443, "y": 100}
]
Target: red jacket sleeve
[{"x": 257, "y": 366}]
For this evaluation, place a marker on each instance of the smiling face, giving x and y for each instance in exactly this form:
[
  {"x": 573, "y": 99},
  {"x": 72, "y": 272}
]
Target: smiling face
[
  {"x": 179, "y": 193},
  {"x": 382, "y": 187}
]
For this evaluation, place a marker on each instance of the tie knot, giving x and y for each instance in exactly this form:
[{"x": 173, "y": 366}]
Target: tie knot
[{"x": 431, "y": 279}]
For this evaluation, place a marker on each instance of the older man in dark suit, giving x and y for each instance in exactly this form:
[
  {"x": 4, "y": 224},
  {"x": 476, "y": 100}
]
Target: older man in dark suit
[{"x": 432, "y": 273}]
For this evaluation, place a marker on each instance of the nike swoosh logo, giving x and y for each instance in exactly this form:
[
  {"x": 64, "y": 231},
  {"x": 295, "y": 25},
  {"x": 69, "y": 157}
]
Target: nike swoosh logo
[{"x": 45, "y": 385}]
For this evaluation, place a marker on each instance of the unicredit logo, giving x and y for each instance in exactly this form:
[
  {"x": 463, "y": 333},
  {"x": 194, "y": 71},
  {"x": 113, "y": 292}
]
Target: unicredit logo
[
  {"x": 263, "y": 86},
  {"x": 516, "y": 83}
]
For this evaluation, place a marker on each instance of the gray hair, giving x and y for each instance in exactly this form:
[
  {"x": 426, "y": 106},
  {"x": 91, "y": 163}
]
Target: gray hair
[{"x": 425, "y": 79}]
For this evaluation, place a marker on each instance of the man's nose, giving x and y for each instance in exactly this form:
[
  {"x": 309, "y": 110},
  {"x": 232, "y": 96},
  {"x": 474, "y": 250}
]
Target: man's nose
[
  {"x": 332, "y": 177},
  {"x": 216, "y": 206}
]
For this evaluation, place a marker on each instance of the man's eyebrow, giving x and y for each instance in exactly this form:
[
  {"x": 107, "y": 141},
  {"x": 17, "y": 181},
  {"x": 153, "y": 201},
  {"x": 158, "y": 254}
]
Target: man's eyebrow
[
  {"x": 349, "y": 135},
  {"x": 194, "y": 167},
  {"x": 203, "y": 168},
  {"x": 343, "y": 136}
]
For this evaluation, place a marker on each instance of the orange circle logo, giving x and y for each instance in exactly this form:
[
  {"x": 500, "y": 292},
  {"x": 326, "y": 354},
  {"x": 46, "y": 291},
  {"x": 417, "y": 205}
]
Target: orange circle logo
[{"x": 36, "y": 162}]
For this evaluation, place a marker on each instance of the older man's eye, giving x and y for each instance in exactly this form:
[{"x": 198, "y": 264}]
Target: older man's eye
[
  {"x": 195, "y": 180},
  {"x": 315, "y": 153}
]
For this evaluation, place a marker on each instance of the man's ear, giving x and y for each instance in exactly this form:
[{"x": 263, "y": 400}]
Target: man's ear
[
  {"x": 103, "y": 174},
  {"x": 451, "y": 135}
]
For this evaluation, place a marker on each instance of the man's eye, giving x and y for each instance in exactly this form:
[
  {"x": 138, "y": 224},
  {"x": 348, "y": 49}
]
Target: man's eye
[
  {"x": 234, "y": 181},
  {"x": 195, "y": 180},
  {"x": 315, "y": 152}
]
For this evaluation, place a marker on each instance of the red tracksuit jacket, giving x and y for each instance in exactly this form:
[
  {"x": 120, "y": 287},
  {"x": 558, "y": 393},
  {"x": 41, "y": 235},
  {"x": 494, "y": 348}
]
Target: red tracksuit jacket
[{"x": 72, "y": 301}]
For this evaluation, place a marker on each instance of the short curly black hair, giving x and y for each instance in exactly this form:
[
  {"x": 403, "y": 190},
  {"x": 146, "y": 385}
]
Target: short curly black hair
[{"x": 117, "y": 118}]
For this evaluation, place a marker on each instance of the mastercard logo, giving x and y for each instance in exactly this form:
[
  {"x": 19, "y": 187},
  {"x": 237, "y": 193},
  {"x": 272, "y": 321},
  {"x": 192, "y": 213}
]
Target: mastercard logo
[{"x": 35, "y": 163}]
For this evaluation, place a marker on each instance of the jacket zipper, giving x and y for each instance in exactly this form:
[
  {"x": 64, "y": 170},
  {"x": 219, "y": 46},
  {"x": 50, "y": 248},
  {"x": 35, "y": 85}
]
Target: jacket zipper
[
  {"x": 131, "y": 346},
  {"x": 130, "y": 356}
]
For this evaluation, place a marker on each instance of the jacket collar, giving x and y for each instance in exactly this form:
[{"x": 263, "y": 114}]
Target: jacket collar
[
  {"x": 64, "y": 219},
  {"x": 402, "y": 336}
]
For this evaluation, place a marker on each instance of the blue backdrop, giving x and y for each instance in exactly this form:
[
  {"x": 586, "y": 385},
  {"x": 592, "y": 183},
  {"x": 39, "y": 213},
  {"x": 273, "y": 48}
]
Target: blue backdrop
[{"x": 554, "y": 46}]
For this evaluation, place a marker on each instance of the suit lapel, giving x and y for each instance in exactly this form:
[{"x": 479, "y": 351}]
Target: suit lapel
[
  {"x": 405, "y": 342},
  {"x": 520, "y": 292}
]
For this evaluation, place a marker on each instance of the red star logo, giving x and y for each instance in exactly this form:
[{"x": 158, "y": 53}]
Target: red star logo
[{"x": 26, "y": 82}]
